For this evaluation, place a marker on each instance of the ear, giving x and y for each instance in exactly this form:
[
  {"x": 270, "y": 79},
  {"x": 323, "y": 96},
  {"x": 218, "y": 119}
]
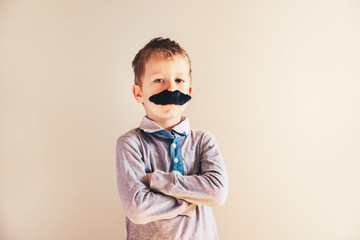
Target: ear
[
  {"x": 190, "y": 90},
  {"x": 136, "y": 90}
]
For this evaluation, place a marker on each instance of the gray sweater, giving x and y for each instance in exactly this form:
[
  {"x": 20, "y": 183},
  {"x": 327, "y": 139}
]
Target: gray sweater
[{"x": 174, "y": 206}]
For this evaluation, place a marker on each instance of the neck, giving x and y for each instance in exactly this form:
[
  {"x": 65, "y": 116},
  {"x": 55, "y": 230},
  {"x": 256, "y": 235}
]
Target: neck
[{"x": 168, "y": 124}]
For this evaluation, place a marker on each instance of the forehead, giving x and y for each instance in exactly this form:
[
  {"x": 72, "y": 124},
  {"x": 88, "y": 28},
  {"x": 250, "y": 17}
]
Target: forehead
[{"x": 161, "y": 64}]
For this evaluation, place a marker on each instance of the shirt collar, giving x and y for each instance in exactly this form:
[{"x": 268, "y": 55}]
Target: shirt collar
[{"x": 149, "y": 126}]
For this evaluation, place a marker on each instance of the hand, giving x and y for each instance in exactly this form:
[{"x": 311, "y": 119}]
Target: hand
[
  {"x": 148, "y": 175},
  {"x": 190, "y": 210}
]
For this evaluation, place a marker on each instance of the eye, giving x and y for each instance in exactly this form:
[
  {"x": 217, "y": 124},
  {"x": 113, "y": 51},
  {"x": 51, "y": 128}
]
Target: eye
[
  {"x": 159, "y": 80},
  {"x": 178, "y": 80}
]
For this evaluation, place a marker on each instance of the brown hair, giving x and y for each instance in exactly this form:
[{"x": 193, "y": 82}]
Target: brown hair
[{"x": 162, "y": 46}]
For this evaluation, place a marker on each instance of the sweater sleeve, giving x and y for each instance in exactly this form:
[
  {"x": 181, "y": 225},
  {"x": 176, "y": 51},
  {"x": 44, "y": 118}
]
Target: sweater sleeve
[
  {"x": 209, "y": 188},
  {"x": 140, "y": 204}
]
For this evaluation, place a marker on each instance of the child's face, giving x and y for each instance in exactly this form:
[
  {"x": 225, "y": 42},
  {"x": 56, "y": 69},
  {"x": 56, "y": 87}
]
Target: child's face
[{"x": 163, "y": 74}]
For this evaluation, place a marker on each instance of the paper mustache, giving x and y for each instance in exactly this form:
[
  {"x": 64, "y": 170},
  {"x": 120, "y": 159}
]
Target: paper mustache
[{"x": 167, "y": 97}]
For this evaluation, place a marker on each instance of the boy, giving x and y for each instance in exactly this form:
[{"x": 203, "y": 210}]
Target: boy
[{"x": 169, "y": 176}]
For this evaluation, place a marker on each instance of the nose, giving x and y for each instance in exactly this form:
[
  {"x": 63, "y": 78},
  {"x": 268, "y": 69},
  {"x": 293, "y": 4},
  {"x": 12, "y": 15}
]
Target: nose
[{"x": 172, "y": 86}]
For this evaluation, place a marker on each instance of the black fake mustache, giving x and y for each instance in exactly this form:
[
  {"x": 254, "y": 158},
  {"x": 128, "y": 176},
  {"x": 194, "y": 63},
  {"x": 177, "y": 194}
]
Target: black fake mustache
[{"x": 167, "y": 97}]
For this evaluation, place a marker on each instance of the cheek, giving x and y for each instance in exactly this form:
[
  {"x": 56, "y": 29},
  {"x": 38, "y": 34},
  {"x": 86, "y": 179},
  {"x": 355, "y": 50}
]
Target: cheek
[
  {"x": 147, "y": 94},
  {"x": 184, "y": 89}
]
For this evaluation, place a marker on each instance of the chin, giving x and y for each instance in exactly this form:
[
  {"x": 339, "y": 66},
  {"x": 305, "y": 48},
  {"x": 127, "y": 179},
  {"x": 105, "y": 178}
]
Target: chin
[
  {"x": 171, "y": 115},
  {"x": 169, "y": 111}
]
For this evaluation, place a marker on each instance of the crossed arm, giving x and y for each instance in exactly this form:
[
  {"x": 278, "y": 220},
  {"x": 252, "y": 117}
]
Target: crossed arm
[
  {"x": 159, "y": 195},
  {"x": 208, "y": 188},
  {"x": 140, "y": 204}
]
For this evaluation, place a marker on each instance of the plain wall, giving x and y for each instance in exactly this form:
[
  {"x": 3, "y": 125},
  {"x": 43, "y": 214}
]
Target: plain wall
[{"x": 277, "y": 82}]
